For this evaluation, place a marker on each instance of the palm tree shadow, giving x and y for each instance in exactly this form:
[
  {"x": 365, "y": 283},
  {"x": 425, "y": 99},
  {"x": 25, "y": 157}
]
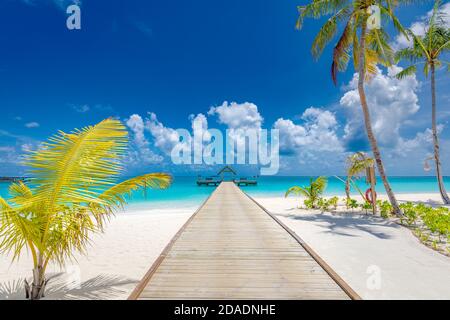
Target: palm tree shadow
[
  {"x": 342, "y": 224},
  {"x": 101, "y": 287}
]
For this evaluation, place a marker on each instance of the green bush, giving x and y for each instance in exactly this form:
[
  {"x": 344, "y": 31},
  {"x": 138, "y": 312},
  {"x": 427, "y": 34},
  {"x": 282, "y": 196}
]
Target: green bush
[
  {"x": 308, "y": 204},
  {"x": 437, "y": 220},
  {"x": 410, "y": 213},
  {"x": 366, "y": 206},
  {"x": 333, "y": 202},
  {"x": 385, "y": 208},
  {"x": 352, "y": 204}
]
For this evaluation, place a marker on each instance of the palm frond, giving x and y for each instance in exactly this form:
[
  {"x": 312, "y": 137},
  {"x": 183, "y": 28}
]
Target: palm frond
[
  {"x": 407, "y": 72},
  {"x": 16, "y": 229},
  {"x": 358, "y": 163},
  {"x": 328, "y": 31},
  {"x": 117, "y": 193},
  {"x": 74, "y": 167},
  {"x": 320, "y": 184},
  {"x": 388, "y": 12},
  {"x": 377, "y": 41},
  {"x": 20, "y": 193},
  {"x": 341, "y": 51},
  {"x": 409, "y": 54},
  {"x": 295, "y": 190},
  {"x": 317, "y": 9},
  {"x": 371, "y": 59}
]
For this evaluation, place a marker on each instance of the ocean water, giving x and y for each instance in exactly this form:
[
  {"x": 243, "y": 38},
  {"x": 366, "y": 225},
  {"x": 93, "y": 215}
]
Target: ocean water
[{"x": 184, "y": 191}]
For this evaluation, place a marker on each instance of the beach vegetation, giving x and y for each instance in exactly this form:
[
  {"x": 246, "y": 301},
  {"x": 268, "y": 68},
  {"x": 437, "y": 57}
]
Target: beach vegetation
[
  {"x": 357, "y": 164},
  {"x": 352, "y": 204},
  {"x": 366, "y": 206},
  {"x": 327, "y": 204},
  {"x": 425, "y": 52},
  {"x": 431, "y": 225},
  {"x": 73, "y": 191},
  {"x": 313, "y": 192},
  {"x": 363, "y": 45},
  {"x": 333, "y": 202}
]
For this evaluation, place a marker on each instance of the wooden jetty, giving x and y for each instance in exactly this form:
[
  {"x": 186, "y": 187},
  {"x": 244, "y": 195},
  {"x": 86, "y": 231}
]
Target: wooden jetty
[
  {"x": 232, "y": 248},
  {"x": 221, "y": 176},
  {"x": 13, "y": 179}
]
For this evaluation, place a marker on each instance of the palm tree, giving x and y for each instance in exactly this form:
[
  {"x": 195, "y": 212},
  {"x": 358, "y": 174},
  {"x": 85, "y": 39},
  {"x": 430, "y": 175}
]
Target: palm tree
[
  {"x": 357, "y": 163},
  {"x": 367, "y": 49},
  {"x": 427, "y": 50},
  {"x": 72, "y": 193},
  {"x": 313, "y": 192}
]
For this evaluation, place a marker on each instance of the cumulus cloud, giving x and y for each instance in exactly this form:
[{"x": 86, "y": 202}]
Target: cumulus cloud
[
  {"x": 238, "y": 116},
  {"x": 165, "y": 138},
  {"x": 317, "y": 133},
  {"x": 142, "y": 146},
  {"x": 391, "y": 102},
  {"x": 199, "y": 124},
  {"x": 243, "y": 121}
]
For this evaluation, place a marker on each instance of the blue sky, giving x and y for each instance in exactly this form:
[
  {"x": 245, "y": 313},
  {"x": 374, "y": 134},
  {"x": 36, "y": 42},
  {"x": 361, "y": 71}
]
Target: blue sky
[{"x": 180, "y": 58}]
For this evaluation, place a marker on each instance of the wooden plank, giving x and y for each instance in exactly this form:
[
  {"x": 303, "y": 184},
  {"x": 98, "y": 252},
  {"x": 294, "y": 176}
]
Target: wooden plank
[{"x": 232, "y": 248}]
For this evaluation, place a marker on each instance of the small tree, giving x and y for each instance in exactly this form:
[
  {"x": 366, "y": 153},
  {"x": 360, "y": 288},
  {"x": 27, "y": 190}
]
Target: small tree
[
  {"x": 73, "y": 192},
  {"x": 313, "y": 192}
]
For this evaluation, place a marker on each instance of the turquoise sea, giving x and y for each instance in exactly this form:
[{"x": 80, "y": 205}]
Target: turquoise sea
[{"x": 185, "y": 192}]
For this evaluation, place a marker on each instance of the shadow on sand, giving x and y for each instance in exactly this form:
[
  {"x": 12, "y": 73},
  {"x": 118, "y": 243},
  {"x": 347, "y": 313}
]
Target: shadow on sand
[
  {"x": 341, "y": 223},
  {"x": 429, "y": 202},
  {"x": 101, "y": 287}
]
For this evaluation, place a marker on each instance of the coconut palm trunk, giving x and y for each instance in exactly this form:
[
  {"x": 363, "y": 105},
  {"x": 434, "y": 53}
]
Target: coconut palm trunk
[
  {"x": 442, "y": 190},
  {"x": 347, "y": 188},
  {"x": 368, "y": 123},
  {"x": 37, "y": 289}
]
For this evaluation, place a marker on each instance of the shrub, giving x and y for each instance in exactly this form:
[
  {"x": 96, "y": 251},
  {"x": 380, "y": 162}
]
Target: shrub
[
  {"x": 352, "y": 204},
  {"x": 333, "y": 202},
  {"x": 385, "y": 208}
]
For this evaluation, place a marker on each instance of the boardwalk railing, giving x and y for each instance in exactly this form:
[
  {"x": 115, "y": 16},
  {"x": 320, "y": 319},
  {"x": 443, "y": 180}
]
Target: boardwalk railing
[{"x": 232, "y": 248}]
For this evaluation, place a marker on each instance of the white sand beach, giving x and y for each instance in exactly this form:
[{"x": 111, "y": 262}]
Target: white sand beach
[{"x": 378, "y": 258}]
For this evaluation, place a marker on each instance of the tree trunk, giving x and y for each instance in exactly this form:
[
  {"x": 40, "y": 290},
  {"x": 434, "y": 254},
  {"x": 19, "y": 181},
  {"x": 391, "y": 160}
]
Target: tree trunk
[
  {"x": 440, "y": 180},
  {"x": 347, "y": 188},
  {"x": 38, "y": 285},
  {"x": 368, "y": 124},
  {"x": 37, "y": 289}
]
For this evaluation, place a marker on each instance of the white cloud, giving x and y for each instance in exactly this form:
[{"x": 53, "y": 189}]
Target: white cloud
[
  {"x": 420, "y": 27},
  {"x": 199, "y": 124},
  {"x": 32, "y": 125},
  {"x": 422, "y": 140},
  {"x": 316, "y": 134},
  {"x": 142, "y": 149},
  {"x": 238, "y": 116},
  {"x": 391, "y": 103},
  {"x": 164, "y": 138},
  {"x": 241, "y": 119}
]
